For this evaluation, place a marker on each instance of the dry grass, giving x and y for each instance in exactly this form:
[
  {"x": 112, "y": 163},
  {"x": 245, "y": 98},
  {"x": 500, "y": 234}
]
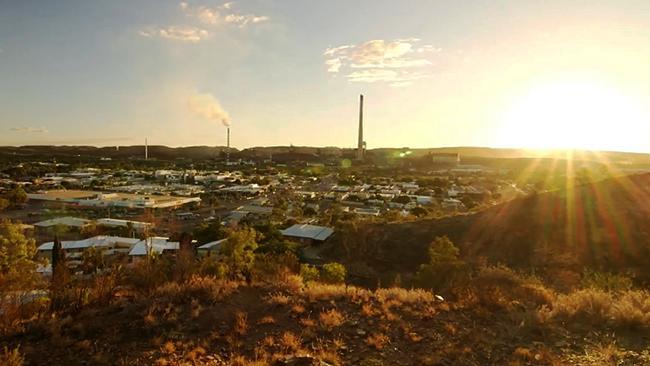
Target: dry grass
[
  {"x": 204, "y": 289},
  {"x": 290, "y": 342},
  {"x": 628, "y": 309},
  {"x": 377, "y": 341},
  {"x": 308, "y": 322},
  {"x": 331, "y": 319},
  {"x": 367, "y": 310},
  {"x": 240, "y": 325},
  {"x": 11, "y": 357},
  {"x": 278, "y": 298},
  {"x": 268, "y": 319},
  {"x": 325, "y": 292},
  {"x": 297, "y": 309},
  {"x": 403, "y": 296}
]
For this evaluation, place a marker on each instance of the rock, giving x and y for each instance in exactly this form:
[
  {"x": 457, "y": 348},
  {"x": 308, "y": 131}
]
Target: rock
[{"x": 361, "y": 332}]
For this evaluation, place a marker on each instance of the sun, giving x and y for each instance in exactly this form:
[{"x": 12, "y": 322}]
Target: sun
[{"x": 576, "y": 115}]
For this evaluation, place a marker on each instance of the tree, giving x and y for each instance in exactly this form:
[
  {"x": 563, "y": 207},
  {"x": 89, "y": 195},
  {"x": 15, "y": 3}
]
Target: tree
[
  {"x": 333, "y": 273},
  {"x": 17, "y": 259},
  {"x": 17, "y": 197},
  {"x": 4, "y": 204},
  {"x": 58, "y": 256},
  {"x": 419, "y": 211},
  {"x": 402, "y": 199},
  {"x": 239, "y": 250},
  {"x": 444, "y": 265},
  {"x": 209, "y": 231},
  {"x": 92, "y": 260}
]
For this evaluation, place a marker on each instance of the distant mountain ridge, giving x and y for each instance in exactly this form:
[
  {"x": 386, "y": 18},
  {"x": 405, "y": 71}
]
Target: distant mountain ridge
[{"x": 202, "y": 152}]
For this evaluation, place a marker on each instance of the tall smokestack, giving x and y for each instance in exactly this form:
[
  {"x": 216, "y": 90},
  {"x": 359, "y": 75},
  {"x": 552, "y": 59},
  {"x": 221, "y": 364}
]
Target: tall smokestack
[
  {"x": 146, "y": 150},
  {"x": 360, "y": 144},
  {"x": 228, "y": 144}
]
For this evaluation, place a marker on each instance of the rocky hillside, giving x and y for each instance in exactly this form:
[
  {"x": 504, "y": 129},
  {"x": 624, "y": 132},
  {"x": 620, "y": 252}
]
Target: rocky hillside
[{"x": 605, "y": 225}]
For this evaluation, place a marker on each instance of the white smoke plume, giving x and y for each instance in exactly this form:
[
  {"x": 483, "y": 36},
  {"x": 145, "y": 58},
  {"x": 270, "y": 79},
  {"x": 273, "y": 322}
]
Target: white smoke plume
[{"x": 208, "y": 107}]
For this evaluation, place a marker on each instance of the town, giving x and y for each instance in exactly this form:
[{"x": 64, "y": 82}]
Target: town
[{"x": 127, "y": 213}]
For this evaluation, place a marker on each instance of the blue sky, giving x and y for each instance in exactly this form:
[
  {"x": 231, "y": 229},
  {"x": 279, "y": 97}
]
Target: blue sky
[{"x": 435, "y": 73}]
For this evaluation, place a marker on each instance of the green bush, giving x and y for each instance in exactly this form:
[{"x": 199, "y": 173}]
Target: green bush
[
  {"x": 309, "y": 272},
  {"x": 333, "y": 273},
  {"x": 444, "y": 267}
]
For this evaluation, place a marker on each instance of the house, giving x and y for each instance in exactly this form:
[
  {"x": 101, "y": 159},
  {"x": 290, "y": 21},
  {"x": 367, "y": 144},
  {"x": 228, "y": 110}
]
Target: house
[
  {"x": 452, "y": 204},
  {"x": 367, "y": 211},
  {"x": 234, "y": 217},
  {"x": 308, "y": 234},
  {"x": 111, "y": 199},
  {"x": 153, "y": 245},
  {"x": 74, "y": 249},
  {"x": 67, "y": 221},
  {"x": 211, "y": 248},
  {"x": 138, "y": 226}
]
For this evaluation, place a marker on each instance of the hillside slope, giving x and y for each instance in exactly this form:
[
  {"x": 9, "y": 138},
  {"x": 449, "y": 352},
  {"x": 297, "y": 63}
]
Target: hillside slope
[{"x": 605, "y": 225}]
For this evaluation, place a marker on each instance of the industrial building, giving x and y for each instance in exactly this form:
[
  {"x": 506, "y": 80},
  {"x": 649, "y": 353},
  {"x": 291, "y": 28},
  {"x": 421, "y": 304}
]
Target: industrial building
[{"x": 103, "y": 199}]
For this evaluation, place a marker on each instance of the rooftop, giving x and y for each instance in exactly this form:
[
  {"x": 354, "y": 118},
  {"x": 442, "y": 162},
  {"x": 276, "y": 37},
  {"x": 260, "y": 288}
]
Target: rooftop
[{"x": 320, "y": 233}]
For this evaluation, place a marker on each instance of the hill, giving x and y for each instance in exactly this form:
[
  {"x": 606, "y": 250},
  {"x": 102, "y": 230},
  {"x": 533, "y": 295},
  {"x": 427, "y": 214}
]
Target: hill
[
  {"x": 480, "y": 155},
  {"x": 207, "y": 321},
  {"x": 605, "y": 225}
]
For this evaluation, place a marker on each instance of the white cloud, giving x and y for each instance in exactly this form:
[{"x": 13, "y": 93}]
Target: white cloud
[
  {"x": 222, "y": 14},
  {"x": 333, "y": 64},
  {"x": 379, "y": 60},
  {"x": 177, "y": 33},
  {"x": 205, "y": 17},
  {"x": 29, "y": 129}
]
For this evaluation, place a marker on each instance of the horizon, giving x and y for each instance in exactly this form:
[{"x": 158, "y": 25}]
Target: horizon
[
  {"x": 570, "y": 153},
  {"x": 434, "y": 74}
]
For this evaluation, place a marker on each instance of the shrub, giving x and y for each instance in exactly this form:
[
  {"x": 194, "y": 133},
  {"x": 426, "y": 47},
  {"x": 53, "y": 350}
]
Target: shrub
[
  {"x": 11, "y": 357},
  {"x": 377, "y": 340},
  {"x": 205, "y": 289},
  {"x": 605, "y": 281},
  {"x": 333, "y": 273},
  {"x": 331, "y": 319},
  {"x": 589, "y": 306},
  {"x": 632, "y": 310},
  {"x": 211, "y": 266},
  {"x": 309, "y": 272},
  {"x": 404, "y": 296},
  {"x": 444, "y": 267},
  {"x": 501, "y": 287},
  {"x": 149, "y": 273},
  {"x": 274, "y": 267},
  {"x": 278, "y": 299},
  {"x": 325, "y": 292}
]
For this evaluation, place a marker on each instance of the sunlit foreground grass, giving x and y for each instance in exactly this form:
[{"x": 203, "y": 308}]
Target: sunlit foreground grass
[{"x": 499, "y": 317}]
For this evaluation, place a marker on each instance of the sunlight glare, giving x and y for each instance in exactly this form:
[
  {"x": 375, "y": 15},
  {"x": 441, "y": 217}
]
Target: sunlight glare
[{"x": 580, "y": 115}]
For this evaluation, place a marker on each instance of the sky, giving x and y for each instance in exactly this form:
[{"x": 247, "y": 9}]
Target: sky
[{"x": 516, "y": 73}]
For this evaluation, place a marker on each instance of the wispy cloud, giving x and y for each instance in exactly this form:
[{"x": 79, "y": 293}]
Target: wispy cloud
[
  {"x": 222, "y": 14},
  {"x": 205, "y": 18},
  {"x": 29, "y": 129},
  {"x": 399, "y": 62},
  {"x": 177, "y": 33}
]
